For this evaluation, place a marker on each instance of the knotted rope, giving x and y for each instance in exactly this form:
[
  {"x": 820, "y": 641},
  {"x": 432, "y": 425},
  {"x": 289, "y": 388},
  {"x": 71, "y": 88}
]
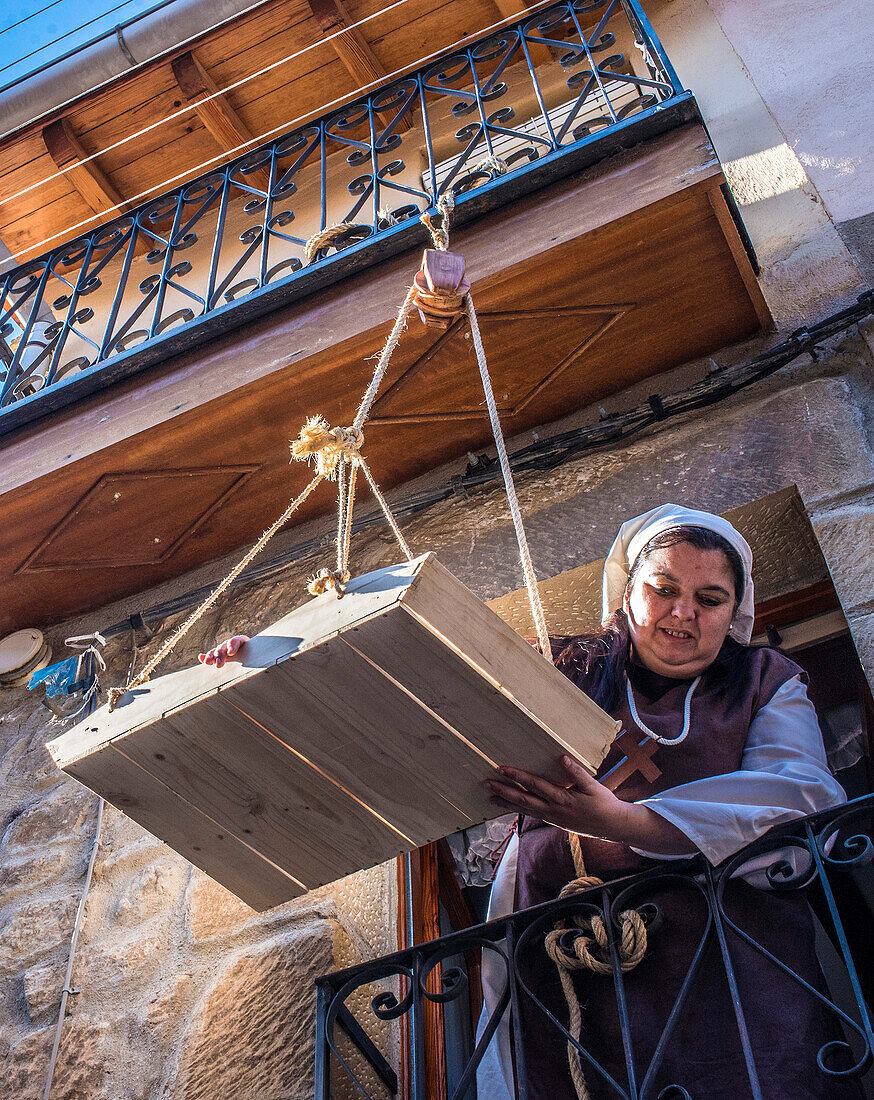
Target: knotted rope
[
  {"x": 492, "y": 165},
  {"x": 329, "y": 447},
  {"x": 589, "y": 950}
]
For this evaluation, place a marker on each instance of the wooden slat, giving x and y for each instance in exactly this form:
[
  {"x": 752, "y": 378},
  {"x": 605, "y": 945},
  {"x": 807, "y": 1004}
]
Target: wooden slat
[
  {"x": 411, "y": 653},
  {"x": 202, "y": 842},
  {"x": 166, "y": 695},
  {"x": 250, "y": 784},
  {"x": 485, "y": 642},
  {"x": 92, "y": 184},
  {"x": 378, "y": 742},
  {"x": 741, "y": 259}
]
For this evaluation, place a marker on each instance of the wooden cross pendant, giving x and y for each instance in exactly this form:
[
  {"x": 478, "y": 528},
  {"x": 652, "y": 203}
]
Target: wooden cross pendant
[{"x": 636, "y": 759}]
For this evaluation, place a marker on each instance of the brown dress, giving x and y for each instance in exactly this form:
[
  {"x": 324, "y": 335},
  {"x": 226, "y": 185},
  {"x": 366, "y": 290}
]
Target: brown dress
[{"x": 787, "y": 1024}]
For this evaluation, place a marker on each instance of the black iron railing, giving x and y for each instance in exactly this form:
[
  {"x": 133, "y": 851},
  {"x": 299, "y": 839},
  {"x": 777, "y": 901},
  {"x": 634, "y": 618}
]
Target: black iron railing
[
  {"x": 501, "y": 117},
  {"x": 361, "y": 1010}
]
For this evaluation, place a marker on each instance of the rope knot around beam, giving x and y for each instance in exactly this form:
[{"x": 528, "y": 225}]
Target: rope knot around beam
[
  {"x": 326, "y": 579},
  {"x": 327, "y": 446}
]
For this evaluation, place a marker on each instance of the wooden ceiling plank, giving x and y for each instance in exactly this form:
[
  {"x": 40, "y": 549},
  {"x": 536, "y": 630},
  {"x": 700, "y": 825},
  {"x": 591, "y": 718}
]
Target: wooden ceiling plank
[
  {"x": 96, "y": 189},
  {"x": 511, "y": 9},
  {"x": 217, "y": 114}
]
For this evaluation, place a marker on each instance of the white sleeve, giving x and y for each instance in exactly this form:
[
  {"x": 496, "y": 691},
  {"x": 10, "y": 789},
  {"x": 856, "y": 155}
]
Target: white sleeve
[{"x": 783, "y": 775}]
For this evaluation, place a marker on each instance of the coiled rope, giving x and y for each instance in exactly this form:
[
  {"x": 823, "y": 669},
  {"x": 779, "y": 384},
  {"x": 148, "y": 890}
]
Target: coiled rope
[
  {"x": 589, "y": 950},
  {"x": 336, "y": 453}
]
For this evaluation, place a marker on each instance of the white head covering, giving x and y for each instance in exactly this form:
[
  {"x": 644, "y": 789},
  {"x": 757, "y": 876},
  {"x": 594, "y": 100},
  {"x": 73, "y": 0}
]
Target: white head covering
[{"x": 636, "y": 533}]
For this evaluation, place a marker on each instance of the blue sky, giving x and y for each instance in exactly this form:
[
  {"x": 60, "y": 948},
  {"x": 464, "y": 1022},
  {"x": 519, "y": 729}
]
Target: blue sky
[{"x": 35, "y": 32}]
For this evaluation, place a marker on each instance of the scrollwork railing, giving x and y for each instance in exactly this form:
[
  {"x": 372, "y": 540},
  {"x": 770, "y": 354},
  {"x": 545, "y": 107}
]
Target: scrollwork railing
[
  {"x": 820, "y": 863},
  {"x": 505, "y": 115}
]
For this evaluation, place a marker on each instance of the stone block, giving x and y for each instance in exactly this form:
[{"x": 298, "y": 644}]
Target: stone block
[
  {"x": 55, "y": 819},
  {"x": 213, "y": 910},
  {"x": 847, "y": 541},
  {"x": 129, "y": 958},
  {"x": 862, "y": 630},
  {"x": 82, "y": 1069},
  {"x": 152, "y": 891},
  {"x": 253, "y": 1033},
  {"x": 366, "y": 906},
  {"x": 38, "y": 868},
  {"x": 43, "y": 985},
  {"x": 35, "y": 929},
  {"x": 168, "y": 1008}
]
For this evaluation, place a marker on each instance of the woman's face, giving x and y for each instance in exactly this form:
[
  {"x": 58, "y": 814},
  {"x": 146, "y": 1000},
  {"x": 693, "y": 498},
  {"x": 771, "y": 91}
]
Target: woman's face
[{"x": 679, "y": 607}]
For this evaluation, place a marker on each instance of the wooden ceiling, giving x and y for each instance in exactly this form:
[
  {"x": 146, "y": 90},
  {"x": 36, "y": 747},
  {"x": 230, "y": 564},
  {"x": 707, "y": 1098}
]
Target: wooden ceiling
[
  {"x": 268, "y": 104},
  {"x": 583, "y": 289}
]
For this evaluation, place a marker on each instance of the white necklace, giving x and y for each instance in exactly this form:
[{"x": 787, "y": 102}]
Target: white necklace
[{"x": 687, "y": 715}]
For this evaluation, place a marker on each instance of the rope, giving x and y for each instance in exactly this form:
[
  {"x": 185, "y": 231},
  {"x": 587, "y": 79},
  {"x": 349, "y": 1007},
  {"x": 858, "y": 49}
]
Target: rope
[
  {"x": 440, "y": 236},
  {"x": 590, "y": 951},
  {"x": 114, "y": 694},
  {"x": 335, "y": 449},
  {"x": 509, "y": 486},
  {"x": 384, "y": 360},
  {"x": 440, "y": 233},
  {"x": 492, "y": 165},
  {"x": 392, "y": 522},
  {"x": 337, "y": 578}
]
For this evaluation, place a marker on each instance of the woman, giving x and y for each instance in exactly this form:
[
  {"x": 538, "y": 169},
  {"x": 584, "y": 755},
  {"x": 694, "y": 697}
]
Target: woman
[{"x": 737, "y": 749}]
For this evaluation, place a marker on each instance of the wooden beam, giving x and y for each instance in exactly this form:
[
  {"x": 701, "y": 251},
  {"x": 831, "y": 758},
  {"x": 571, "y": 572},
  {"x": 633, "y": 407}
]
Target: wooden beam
[
  {"x": 741, "y": 259},
  {"x": 351, "y": 47},
  {"x": 425, "y": 891},
  {"x": 511, "y": 9},
  {"x": 95, "y": 188},
  {"x": 214, "y": 110}
]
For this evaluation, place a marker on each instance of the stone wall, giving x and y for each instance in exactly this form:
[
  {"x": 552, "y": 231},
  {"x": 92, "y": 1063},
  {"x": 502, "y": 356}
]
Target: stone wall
[{"x": 183, "y": 990}]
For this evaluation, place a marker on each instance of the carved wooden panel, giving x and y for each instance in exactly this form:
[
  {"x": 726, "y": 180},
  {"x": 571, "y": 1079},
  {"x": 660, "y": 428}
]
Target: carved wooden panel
[{"x": 136, "y": 518}]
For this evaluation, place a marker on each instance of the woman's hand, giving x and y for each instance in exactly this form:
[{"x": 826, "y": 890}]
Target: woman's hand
[
  {"x": 227, "y": 651},
  {"x": 586, "y": 807},
  {"x": 583, "y": 807}
]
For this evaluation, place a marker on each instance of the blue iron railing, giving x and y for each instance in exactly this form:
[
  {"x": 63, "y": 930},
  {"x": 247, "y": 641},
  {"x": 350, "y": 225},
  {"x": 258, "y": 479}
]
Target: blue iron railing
[
  {"x": 825, "y": 856},
  {"x": 224, "y": 246}
]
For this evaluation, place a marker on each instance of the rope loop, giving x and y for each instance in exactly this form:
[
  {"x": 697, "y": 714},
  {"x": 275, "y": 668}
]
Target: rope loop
[
  {"x": 327, "y": 446},
  {"x": 331, "y": 234},
  {"x": 492, "y": 166}
]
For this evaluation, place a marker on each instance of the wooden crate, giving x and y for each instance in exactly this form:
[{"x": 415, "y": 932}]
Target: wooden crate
[{"x": 352, "y": 731}]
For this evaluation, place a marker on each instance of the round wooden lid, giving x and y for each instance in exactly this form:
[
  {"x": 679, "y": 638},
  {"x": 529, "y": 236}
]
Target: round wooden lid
[
  {"x": 22, "y": 675},
  {"x": 17, "y": 649}
]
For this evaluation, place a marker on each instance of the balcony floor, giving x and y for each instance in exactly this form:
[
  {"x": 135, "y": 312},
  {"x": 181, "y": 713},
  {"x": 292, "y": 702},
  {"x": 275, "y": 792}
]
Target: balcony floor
[{"x": 583, "y": 289}]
